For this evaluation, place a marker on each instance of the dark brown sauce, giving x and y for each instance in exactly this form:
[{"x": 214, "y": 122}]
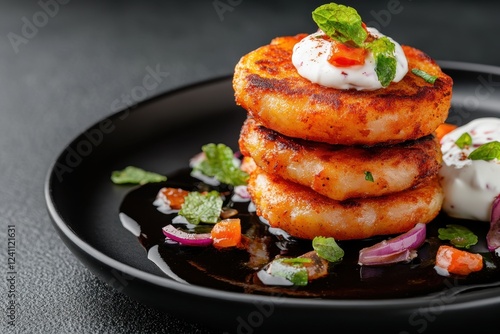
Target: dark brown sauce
[{"x": 235, "y": 269}]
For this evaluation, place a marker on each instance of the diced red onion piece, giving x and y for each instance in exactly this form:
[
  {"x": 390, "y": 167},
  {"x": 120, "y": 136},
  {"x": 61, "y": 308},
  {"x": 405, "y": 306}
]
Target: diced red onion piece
[
  {"x": 240, "y": 194},
  {"x": 242, "y": 191},
  {"x": 493, "y": 235},
  {"x": 398, "y": 249},
  {"x": 403, "y": 256},
  {"x": 188, "y": 239}
]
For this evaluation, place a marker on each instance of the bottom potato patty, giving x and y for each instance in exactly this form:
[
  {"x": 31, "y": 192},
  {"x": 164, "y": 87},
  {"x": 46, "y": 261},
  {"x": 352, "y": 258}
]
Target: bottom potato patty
[{"x": 304, "y": 213}]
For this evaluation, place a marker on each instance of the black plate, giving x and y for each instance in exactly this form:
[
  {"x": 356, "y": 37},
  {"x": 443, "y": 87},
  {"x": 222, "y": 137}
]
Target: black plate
[{"x": 161, "y": 135}]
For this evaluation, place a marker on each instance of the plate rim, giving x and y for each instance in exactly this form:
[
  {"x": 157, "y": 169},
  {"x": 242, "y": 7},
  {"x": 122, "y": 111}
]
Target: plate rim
[{"x": 462, "y": 301}]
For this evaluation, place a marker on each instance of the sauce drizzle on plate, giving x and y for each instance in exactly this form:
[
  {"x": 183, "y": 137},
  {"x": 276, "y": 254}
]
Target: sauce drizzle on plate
[{"x": 236, "y": 269}]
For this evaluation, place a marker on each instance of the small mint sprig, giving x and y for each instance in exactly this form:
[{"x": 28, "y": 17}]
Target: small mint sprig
[
  {"x": 328, "y": 249},
  {"x": 135, "y": 175},
  {"x": 383, "y": 51},
  {"x": 464, "y": 140},
  {"x": 489, "y": 151},
  {"x": 219, "y": 163},
  {"x": 202, "y": 207},
  {"x": 458, "y": 235},
  {"x": 341, "y": 23},
  {"x": 424, "y": 75}
]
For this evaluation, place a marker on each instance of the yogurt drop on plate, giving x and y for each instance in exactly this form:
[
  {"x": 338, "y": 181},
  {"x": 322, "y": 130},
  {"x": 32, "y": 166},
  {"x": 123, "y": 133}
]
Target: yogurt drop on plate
[{"x": 470, "y": 186}]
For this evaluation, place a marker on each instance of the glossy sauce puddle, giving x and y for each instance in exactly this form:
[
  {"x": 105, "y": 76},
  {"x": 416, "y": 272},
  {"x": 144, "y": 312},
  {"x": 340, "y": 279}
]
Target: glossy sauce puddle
[{"x": 235, "y": 269}]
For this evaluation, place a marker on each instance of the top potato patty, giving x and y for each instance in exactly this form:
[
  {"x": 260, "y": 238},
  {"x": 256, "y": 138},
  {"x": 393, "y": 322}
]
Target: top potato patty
[{"x": 268, "y": 86}]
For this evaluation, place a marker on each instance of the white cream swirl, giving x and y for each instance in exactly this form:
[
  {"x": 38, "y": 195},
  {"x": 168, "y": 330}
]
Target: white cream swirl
[{"x": 310, "y": 58}]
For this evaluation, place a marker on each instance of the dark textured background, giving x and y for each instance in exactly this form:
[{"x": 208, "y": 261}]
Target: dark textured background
[{"x": 68, "y": 73}]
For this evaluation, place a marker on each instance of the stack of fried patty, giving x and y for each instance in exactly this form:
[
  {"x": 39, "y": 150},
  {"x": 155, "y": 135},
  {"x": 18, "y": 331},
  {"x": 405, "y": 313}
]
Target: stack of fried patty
[{"x": 346, "y": 164}]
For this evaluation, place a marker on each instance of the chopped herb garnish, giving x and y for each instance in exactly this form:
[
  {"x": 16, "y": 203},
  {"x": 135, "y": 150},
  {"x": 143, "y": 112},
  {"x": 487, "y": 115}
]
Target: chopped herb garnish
[
  {"x": 294, "y": 272},
  {"x": 384, "y": 53},
  {"x": 369, "y": 176},
  {"x": 486, "y": 152},
  {"x": 343, "y": 24},
  {"x": 458, "y": 235},
  {"x": 135, "y": 175},
  {"x": 424, "y": 75},
  {"x": 464, "y": 140},
  {"x": 202, "y": 207},
  {"x": 328, "y": 249},
  {"x": 219, "y": 163},
  {"x": 297, "y": 260}
]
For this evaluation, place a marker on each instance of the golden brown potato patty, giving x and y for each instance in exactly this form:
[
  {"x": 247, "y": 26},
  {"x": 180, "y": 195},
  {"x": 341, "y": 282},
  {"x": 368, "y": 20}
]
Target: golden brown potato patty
[
  {"x": 304, "y": 213},
  {"x": 341, "y": 172},
  {"x": 268, "y": 86}
]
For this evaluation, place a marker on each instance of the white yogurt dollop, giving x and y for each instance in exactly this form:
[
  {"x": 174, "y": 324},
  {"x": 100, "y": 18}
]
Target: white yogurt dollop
[
  {"x": 470, "y": 186},
  {"x": 310, "y": 58}
]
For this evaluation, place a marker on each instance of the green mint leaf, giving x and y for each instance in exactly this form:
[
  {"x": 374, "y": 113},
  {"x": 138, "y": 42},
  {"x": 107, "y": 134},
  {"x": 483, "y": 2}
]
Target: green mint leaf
[
  {"x": 295, "y": 273},
  {"x": 369, "y": 176},
  {"x": 202, "y": 208},
  {"x": 135, "y": 175},
  {"x": 342, "y": 23},
  {"x": 383, "y": 51},
  {"x": 464, "y": 140},
  {"x": 424, "y": 75},
  {"x": 486, "y": 152},
  {"x": 219, "y": 163},
  {"x": 327, "y": 249},
  {"x": 458, "y": 235}
]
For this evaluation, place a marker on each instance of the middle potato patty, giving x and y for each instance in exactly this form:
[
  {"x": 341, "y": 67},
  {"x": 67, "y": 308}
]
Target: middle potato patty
[{"x": 341, "y": 172}]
